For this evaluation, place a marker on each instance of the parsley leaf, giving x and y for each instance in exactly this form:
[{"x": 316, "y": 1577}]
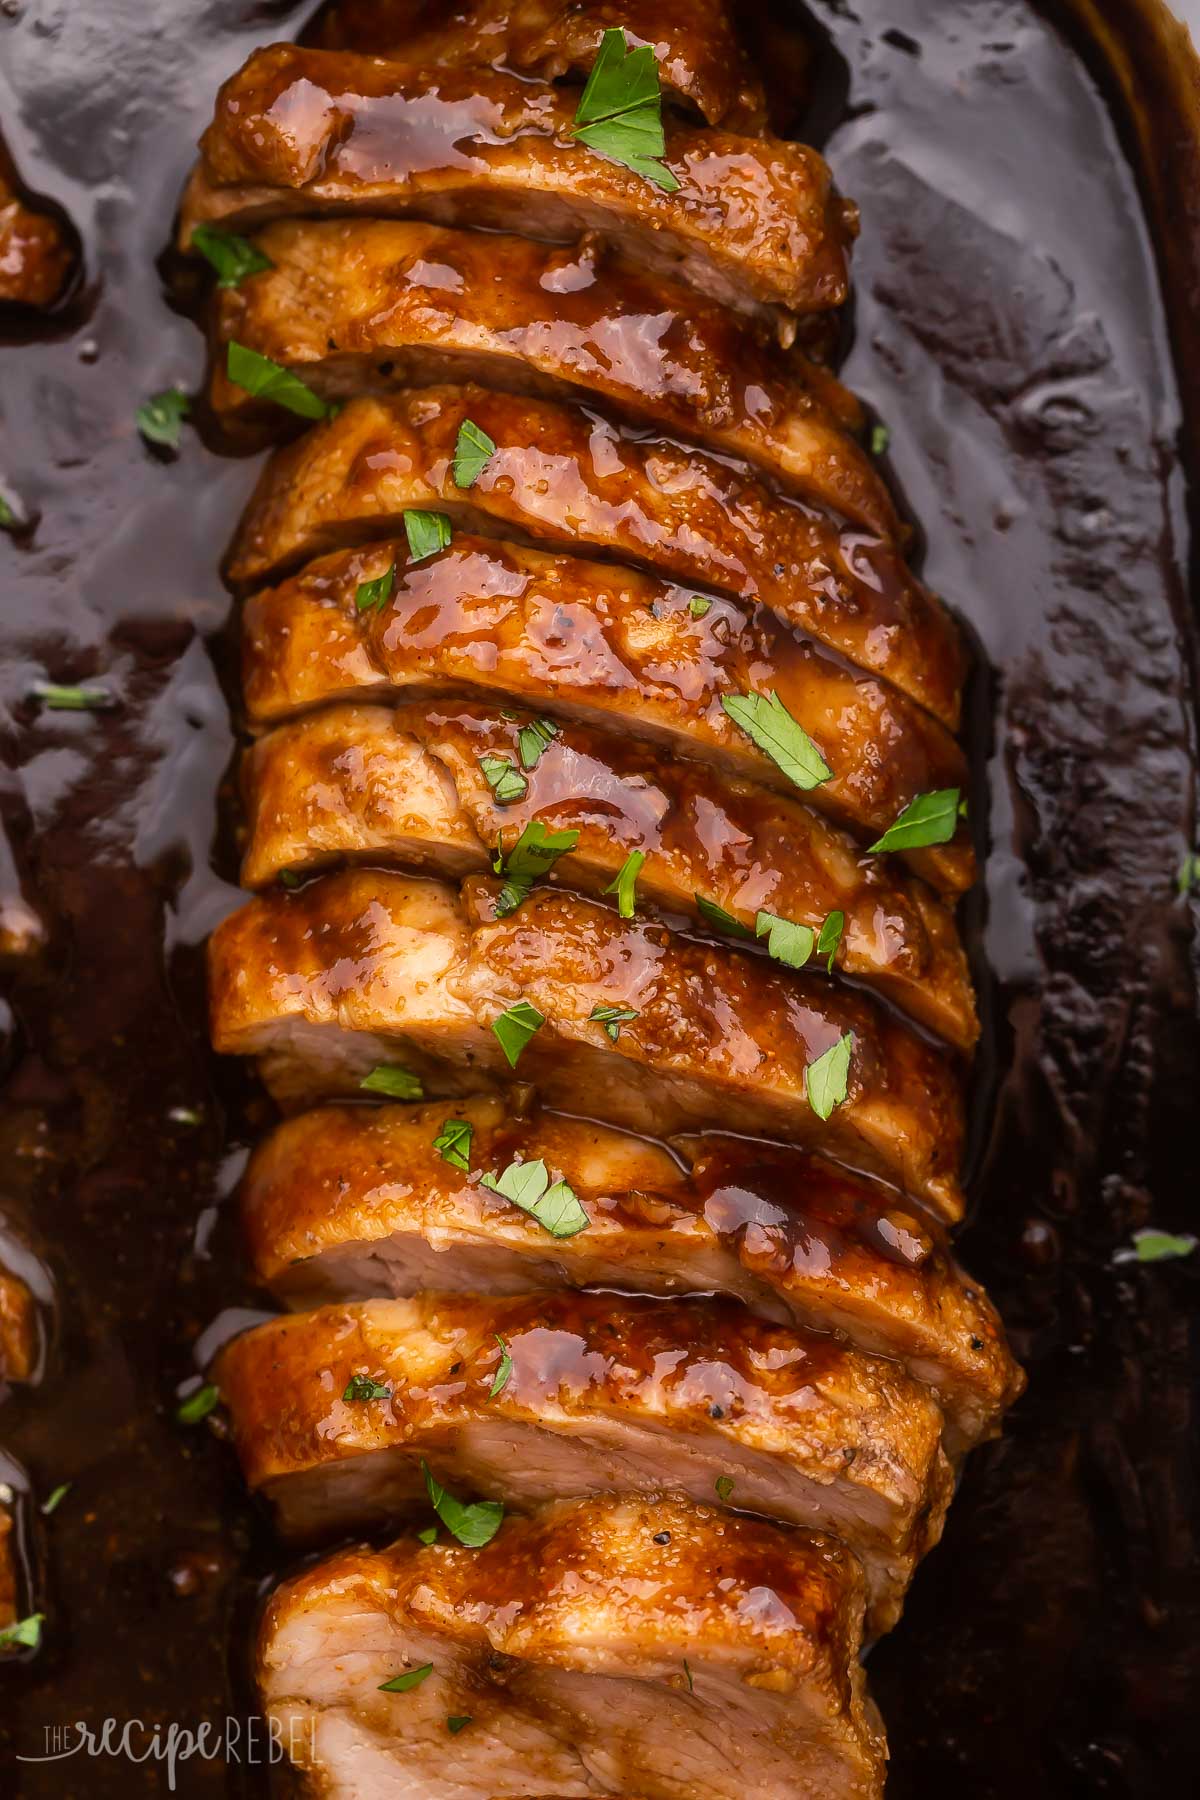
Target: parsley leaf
[
  {"x": 231, "y": 256},
  {"x": 881, "y": 437},
  {"x": 927, "y": 819},
  {"x": 514, "y": 1028},
  {"x": 830, "y": 937},
  {"x": 533, "y": 739},
  {"x": 474, "y": 1525},
  {"x": 504, "y": 778},
  {"x": 624, "y": 885},
  {"x": 724, "y": 1486},
  {"x": 458, "y": 1722},
  {"x": 361, "y": 1387},
  {"x": 503, "y": 1369},
  {"x": 612, "y": 1018},
  {"x": 472, "y": 449},
  {"x": 374, "y": 595},
  {"x": 698, "y": 606},
  {"x": 428, "y": 1536},
  {"x": 267, "y": 380},
  {"x": 72, "y": 699},
  {"x": 1189, "y": 873},
  {"x": 54, "y": 1500},
  {"x": 786, "y": 942},
  {"x": 9, "y": 520},
  {"x": 620, "y": 113},
  {"x": 827, "y": 1079},
  {"x": 768, "y": 723},
  {"x": 534, "y": 854},
  {"x": 198, "y": 1405},
  {"x": 160, "y": 419},
  {"x": 1153, "y": 1246},
  {"x": 396, "y": 1083},
  {"x": 527, "y": 1184},
  {"x": 26, "y": 1631},
  {"x": 427, "y": 533},
  {"x": 411, "y": 1678},
  {"x": 712, "y": 914},
  {"x": 453, "y": 1143}
]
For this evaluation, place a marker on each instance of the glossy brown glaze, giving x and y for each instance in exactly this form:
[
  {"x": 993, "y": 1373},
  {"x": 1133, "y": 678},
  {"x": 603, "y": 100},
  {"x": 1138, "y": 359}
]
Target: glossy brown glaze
[
  {"x": 406, "y": 785},
  {"x": 565, "y": 477},
  {"x": 604, "y": 644},
  {"x": 754, "y": 222},
  {"x": 600, "y": 1393},
  {"x": 355, "y": 1202},
  {"x": 733, "y": 1645},
  {"x": 368, "y": 306},
  {"x": 696, "y": 43}
]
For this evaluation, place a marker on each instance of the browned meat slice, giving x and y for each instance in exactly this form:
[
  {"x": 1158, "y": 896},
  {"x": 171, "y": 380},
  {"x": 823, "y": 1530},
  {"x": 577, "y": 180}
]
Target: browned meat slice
[
  {"x": 607, "y": 644},
  {"x": 753, "y": 222},
  {"x": 358, "y": 1202},
  {"x": 35, "y": 257},
  {"x": 645, "y": 1647},
  {"x": 701, "y": 60},
  {"x": 366, "y": 968},
  {"x": 10, "y": 1586},
  {"x": 539, "y": 1397},
  {"x": 19, "y": 1337},
  {"x": 369, "y": 305},
  {"x": 407, "y": 786},
  {"x": 565, "y": 477}
]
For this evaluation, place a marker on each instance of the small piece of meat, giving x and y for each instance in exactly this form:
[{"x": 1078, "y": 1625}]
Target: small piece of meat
[
  {"x": 406, "y": 786},
  {"x": 9, "y": 1582},
  {"x": 606, "y": 645},
  {"x": 358, "y": 306},
  {"x": 700, "y": 58},
  {"x": 366, "y": 968},
  {"x": 563, "y": 476},
  {"x": 605, "y": 1646},
  {"x": 19, "y": 1341},
  {"x": 354, "y": 1203},
  {"x": 35, "y": 258},
  {"x": 754, "y": 222},
  {"x": 541, "y": 1397}
]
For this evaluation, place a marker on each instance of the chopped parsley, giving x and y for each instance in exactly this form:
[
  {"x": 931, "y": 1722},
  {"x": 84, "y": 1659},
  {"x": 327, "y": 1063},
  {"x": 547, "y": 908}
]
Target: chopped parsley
[
  {"x": 395, "y": 1082},
  {"x": 160, "y": 419},
  {"x": 620, "y": 112},
  {"x": 474, "y": 1525},
  {"x": 612, "y": 1018},
  {"x": 403, "y": 1684},
  {"x": 927, "y": 819},
  {"x": 231, "y": 256},
  {"x": 361, "y": 1387},
  {"x": 1189, "y": 873},
  {"x": 786, "y": 942},
  {"x": 472, "y": 450},
  {"x": 458, "y": 1722},
  {"x": 624, "y": 885},
  {"x": 699, "y": 607},
  {"x": 768, "y": 723},
  {"x": 533, "y": 855},
  {"x": 373, "y": 596},
  {"x": 427, "y": 533},
  {"x": 533, "y": 739},
  {"x": 715, "y": 915},
  {"x": 9, "y": 520},
  {"x": 55, "y": 1498},
  {"x": 556, "y": 1208},
  {"x": 504, "y": 778},
  {"x": 26, "y": 1631},
  {"x": 198, "y": 1404},
  {"x": 453, "y": 1143},
  {"x": 514, "y": 1028},
  {"x": 724, "y": 1486},
  {"x": 503, "y": 1370},
  {"x": 881, "y": 437},
  {"x": 830, "y": 938},
  {"x": 428, "y": 1536},
  {"x": 827, "y": 1079},
  {"x": 1151, "y": 1246},
  {"x": 57, "y": 698},
  {"x": 267, "y": 380}
]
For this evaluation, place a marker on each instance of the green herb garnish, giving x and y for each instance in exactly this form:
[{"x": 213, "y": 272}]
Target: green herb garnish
[
  {"x": 768, "y": 723},
  {"x": 699, "y": 607},
  {"x": 458, "y": 1723},
  {"x": 474, "y": 1525},
  {"x": 453, "y": 1143},
  {"x": 427, "y": 533},
  {"x": 514, "y": 1028},
  {"x": 55, "y": 1498},
  {"x": 8, "y": 518},
  {"x": 472, "y": 449},
  {"x": 503, "y": 1369},
  {"x": 533, "y": 855},
  {"x": 231, "y": 256},
  {"x": 928, "y": 819},
  {"x": 396, "y": 1083},
  {"x": 374, "y": 595},
  {"x": 724, "y": 1486},
  {"x": 533, "y": 739},
  {"x": 411, "y": 1678},
  {"x": 827, "y": 1079},
  {"x": 624, "y": 884},
  {"x": 620, "y": 113},
  {"x": 830, "y": 937},
  {"x": 612, "y": 1018},
  {"x": 26, "y": 1631},
  {"x": 881, "y": 437},
  {"x": 1151, "y": 1246},
  {"x": 786, "y": 942},
  {"x": 504, "y": 778},
  {"x": 361, "y": 1387},
  {"x": 1189, "y": 873},
  {"x": 267, "y": 380},
  {"x": 57, "y": 698},
  {"x": 716, "y": 916},
  {"x": 160, "y": 419},
  {"x": 556, "y": 1208},
  {"x": 198, "y": 1405}
]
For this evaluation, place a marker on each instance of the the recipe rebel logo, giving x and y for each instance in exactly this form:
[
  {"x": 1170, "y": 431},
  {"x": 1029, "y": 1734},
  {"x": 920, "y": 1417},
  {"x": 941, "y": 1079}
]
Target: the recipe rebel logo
[{"x": 235, "y": 1741}]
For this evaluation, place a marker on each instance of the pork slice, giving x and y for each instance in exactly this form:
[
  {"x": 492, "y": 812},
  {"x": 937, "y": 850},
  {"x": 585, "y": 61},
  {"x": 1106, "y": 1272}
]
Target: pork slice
[
  {"x": 406, "y": 786},
  {"x": 607, "y": 645},
  {"x": 541, "y": 1397},
  {"x": 701, "y": 61},
  {"x": 591, "y": 1656},
  {"x": 563, "y": 476},
  {"x": 351, "y": 1203},
  {"x": 754, "y": 223},
  {"x": 366, "y": 968},
  {"x": 36, "y": 258},
  {"x": 371, "y": 305}
]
